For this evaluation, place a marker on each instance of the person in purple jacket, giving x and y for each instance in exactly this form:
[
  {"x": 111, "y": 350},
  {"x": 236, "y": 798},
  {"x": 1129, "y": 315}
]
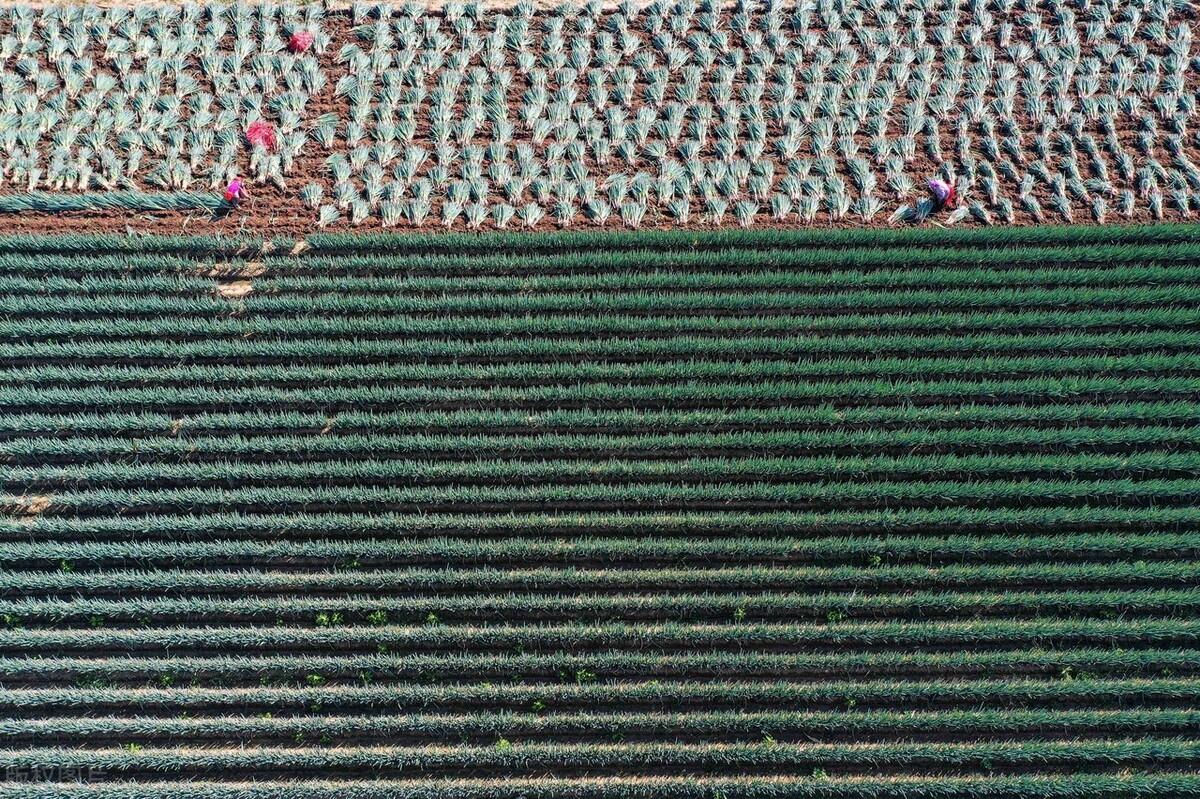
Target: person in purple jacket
[
  {"x": 234, "y": 192},
  {"x": 943, "y": 194}
]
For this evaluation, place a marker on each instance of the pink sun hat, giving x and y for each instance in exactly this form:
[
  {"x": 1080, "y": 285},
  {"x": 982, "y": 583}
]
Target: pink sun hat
[
  {"x": 301, "y": 41},
  {"x": 261, "y": 133}
]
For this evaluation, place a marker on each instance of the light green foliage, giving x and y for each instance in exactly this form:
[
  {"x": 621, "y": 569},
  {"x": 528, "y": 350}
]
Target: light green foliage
[
  {"x": 672, "y": 112},
  {"x": 129, "y": 99}
]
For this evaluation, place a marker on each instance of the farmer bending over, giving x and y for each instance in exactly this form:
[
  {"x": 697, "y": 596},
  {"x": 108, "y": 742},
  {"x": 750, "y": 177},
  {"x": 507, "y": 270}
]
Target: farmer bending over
[{"x": 943, "y": 194}]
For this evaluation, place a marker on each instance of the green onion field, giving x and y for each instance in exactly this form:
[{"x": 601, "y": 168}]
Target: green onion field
[{"x": 729, "y": 514}]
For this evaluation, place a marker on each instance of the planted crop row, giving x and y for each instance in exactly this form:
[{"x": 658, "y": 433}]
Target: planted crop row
[
  {"x": 756, "y": 495},
  {"x": 685, "y": 395},
  {"x": 32, "y": 246},
  {"x": 271, "y": 357},
  {"x": 671, "y": 528},
  {"x": 284, "y": 283},
  {"x": 452, "y": 583},
  {"x": 582, "y": 371},
  {"x": 980, "y": 635},
  {"x": 862, "y": 548},
  {"x": 679, "y": 446},
  {"x": 617, "y": 256},
  {"x": 865, "y": 759},
  {"x": 780, "y": 470},
  {"x": 219, "y": 670},
  {"x": 1066, "y": 419},
  {"x": 615, "y": 261},
  {"x": 883, "y": 240},
  {"x": 718, "y": 726},
  {"x": 537, "y": 608},
  {"x": 1098, "y": 786},
  {"x": 314, "y": 334},
  {"x": 562, "y": 697},
  {"x": 638, "y": 302}
]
